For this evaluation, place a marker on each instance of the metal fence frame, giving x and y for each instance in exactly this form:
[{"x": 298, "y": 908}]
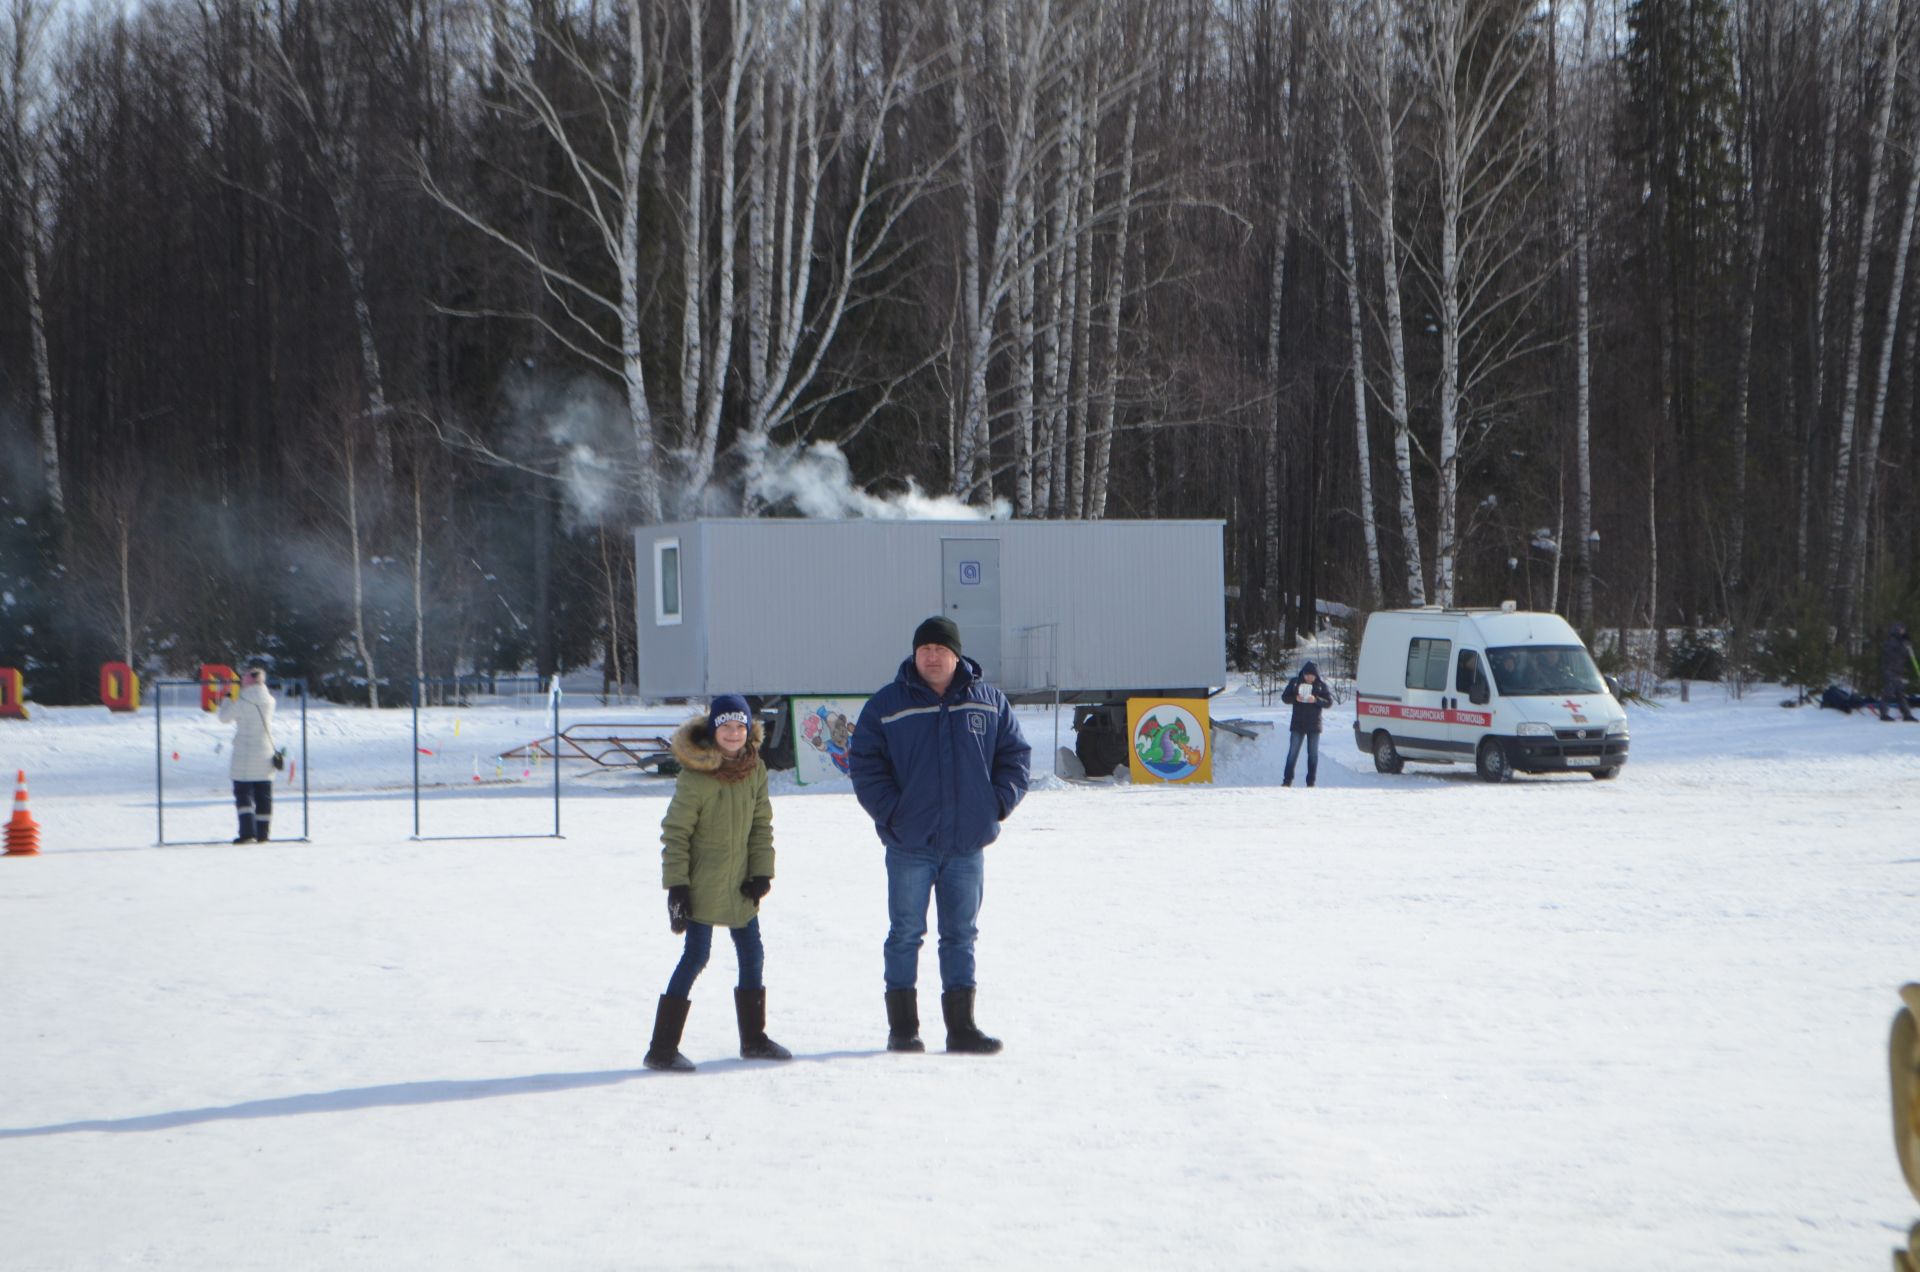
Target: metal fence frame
[
  {"x": 553, "y": 707},
  {"x": 297, "y": 685}
]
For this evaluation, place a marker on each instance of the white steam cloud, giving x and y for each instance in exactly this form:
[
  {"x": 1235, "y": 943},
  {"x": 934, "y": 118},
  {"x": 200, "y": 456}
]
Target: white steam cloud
[
  {"x": 578, "y": 429},
  {"x": 818, "y": 482}
]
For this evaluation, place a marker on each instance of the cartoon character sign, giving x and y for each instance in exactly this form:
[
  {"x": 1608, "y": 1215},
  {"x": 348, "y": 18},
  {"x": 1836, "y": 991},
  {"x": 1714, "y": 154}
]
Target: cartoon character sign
[
  {"x": 1170, "y": 740},
  {"x": 823, "y": 738}
]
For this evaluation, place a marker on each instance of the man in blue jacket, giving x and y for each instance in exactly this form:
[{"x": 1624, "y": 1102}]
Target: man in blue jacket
[{"x": 938, "y": 762}]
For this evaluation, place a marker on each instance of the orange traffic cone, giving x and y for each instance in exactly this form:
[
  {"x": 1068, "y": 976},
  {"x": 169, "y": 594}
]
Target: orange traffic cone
[{"x": 23, "y": 833}]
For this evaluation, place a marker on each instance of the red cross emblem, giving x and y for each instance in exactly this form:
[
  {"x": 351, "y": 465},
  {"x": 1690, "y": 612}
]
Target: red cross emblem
[{"x": 1571, "y": 705}]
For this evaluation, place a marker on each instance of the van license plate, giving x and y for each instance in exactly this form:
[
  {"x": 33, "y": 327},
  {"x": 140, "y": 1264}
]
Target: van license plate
[{"x": 1583, "y": 761}]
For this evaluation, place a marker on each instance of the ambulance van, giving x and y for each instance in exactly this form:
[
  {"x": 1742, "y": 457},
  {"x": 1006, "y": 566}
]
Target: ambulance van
[{"x": 1502, "y": 689}]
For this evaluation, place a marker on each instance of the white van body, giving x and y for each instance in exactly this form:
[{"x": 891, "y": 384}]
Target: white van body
[{"x": 1504, "y": 690}]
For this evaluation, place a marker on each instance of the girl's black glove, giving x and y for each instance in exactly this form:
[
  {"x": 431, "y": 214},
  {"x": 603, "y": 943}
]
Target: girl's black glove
[
  {"x": 679, "y": 906},
  {"x": 755, "y": 888}
]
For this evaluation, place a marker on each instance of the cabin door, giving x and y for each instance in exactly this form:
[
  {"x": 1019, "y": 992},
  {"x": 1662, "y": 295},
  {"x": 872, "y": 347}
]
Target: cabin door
[{"x": 970, "y": 591}]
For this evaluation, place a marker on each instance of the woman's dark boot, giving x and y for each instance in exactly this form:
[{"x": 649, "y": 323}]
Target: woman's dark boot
[
  {"x": 903, "y": 1021},
  {"x": 750, "y": 1009},
  {"x": 669, "y": 1020},
  {"x": 962, "y": 1034}
]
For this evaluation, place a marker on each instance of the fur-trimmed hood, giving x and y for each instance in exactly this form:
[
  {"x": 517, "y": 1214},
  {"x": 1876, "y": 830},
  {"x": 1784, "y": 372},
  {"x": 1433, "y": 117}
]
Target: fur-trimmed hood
[{"x": 694, "y": 746}]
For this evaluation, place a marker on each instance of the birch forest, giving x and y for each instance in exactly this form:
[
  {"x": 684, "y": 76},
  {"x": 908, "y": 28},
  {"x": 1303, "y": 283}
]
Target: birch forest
[{"x": 360, "y": 334}]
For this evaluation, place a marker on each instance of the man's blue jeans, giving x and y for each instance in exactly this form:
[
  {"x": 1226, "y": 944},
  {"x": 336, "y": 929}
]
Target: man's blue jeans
[
  {"x": 747, "y": 949},
  {"x": 1313, "y": 756},
  {"x": 956, "y": 883}
]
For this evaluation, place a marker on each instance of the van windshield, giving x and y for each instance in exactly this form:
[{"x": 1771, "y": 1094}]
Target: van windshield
[{"x": 1523, "y": 670}]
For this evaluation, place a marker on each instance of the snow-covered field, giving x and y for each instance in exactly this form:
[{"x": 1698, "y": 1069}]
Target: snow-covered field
[{"x": 1391, "y": 1022}]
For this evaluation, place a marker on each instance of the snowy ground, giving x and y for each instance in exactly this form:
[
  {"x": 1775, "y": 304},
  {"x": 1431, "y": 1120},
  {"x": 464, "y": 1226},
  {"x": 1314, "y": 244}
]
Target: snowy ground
[{"x": 1413, "y": 1021}]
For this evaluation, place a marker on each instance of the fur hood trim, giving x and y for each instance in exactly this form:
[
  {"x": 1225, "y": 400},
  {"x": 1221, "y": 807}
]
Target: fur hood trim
[{"x": 694, "y": 746}]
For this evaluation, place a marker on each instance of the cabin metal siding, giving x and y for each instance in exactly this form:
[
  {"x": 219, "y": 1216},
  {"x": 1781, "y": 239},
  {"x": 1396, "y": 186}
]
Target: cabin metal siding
[{"x": 789, "y": 606}]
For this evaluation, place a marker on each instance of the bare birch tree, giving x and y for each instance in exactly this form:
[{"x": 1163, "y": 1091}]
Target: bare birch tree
[
  {"x": 308, "y": 63},
  {"x": 836, "y": 116},
  {"x": 1850, "y": 384},
  {"x": 1485, "y": 147},
  {"x": 1388, "y": 122},
  {"x": 1584, "y": 123},
  {"x": 22, "y": 68},
  {"x": 1115, "y": 297},
  {"x": 1357, "y": 366},
  {"x": 988, "y": 265},
  {"x": 1853, "y": 605},
  {"x": 601, "y": 155}
]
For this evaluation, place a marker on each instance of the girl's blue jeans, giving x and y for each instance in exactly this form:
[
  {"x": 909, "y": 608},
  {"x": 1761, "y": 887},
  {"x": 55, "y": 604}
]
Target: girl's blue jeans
[{"x": 747, "y": 949}]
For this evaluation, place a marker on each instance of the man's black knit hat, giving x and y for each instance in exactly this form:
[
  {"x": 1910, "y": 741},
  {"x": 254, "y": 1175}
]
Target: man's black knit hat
[{"x": 938, "y": 630}]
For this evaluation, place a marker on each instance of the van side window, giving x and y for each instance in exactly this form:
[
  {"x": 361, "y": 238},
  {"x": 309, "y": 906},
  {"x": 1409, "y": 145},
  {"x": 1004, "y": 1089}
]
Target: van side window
[
  {"x": 1427, "y": 663},
  {"x": 1468, "y": 675}
]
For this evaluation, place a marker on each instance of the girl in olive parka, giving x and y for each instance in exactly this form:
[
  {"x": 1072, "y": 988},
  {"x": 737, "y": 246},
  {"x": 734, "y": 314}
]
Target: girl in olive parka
[{"x": 716, "y": 865}]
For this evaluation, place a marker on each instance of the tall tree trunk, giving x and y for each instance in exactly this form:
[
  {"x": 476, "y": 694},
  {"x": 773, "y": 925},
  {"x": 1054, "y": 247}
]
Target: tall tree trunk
[
  {"x": 1272, "y": 478},
  {"x": 1388, "y": 140},
  {"x": 28, "y": 28},
  {"x": 1850, "y": 385},
  {"x": 1356, "y": 337},
  {"x": 1743, "y": 396},
  {"x": 123, "y": 558},
  {"x": 973, "y": 349},
  {"x": 693, "y": 258},
  {"x": 361, "y": 645},
  {"x": 759, "y": 244},
  {"x": 713, "y": 384},
  {"x": 1853, "y": 607},
  {"x": 1056, "y": 339},
  {"x": 1823, "y": 287},
  {"x": 1653, "y": 546},
  {"x": 1449, "y": 52},
  {"x": 1116, "y": 294},
  {"x": 340, "y": 197},
  {"x": 1083, "y": 299},
  {"x": 633, "y": 370},
  {"x": 1583, "y": 414},
  {"x": 1023, "y": 373},
  {"x": 28, "y": 219}
]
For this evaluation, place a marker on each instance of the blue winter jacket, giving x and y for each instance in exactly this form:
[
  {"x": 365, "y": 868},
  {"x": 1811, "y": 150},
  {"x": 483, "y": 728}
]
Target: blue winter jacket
[{"x": 939, "y": 774}]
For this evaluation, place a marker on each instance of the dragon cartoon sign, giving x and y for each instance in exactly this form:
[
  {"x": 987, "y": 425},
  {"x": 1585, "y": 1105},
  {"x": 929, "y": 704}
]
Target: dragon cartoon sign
[{"x": 1169, "y": 740}]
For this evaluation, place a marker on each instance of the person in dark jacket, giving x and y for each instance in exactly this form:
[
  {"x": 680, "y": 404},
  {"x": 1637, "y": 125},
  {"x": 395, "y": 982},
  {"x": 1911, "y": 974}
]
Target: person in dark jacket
[
  {"x": 1896, "y": 657},
  {"x": 938, "y": 761},
  {"x": 716, "y": 863},
  {"x": 1310, "y": 696}
]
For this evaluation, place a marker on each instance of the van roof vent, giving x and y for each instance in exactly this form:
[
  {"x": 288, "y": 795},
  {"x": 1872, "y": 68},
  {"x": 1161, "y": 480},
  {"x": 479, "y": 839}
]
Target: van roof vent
[{"x": 1508, "y": 607}]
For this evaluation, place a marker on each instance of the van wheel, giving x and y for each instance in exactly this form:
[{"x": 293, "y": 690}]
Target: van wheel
[
  {"x": 1385, "y": 758},
  {"x": 1605, "y": 774},
  {"x": 1491, "y": 762}
]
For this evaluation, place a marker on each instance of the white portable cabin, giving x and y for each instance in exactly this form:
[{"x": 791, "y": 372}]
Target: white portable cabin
[{"x": 774, "y": 607}]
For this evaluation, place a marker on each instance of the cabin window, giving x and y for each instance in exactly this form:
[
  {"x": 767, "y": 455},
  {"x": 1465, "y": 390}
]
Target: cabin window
[
  {"x": 666, "y": 579},
  {"x": 1427, "y": 663}
]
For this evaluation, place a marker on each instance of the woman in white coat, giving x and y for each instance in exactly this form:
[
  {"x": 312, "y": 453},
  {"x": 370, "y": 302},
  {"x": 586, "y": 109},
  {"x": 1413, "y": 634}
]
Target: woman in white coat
[{"x": 252, "y": 770}]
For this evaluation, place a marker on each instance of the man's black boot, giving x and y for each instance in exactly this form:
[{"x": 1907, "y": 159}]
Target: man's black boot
[
  {"x": 903, "y": 1021},
  {"x": 750, "y": 1009},
  {"x": 669, "y": 1021},
  {"x": 962, "y": 1034}
]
